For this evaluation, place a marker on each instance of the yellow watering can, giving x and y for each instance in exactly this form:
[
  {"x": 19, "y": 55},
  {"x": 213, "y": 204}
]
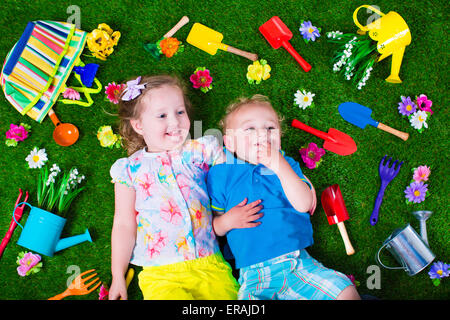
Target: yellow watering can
[{"x": 392, "y": 34}]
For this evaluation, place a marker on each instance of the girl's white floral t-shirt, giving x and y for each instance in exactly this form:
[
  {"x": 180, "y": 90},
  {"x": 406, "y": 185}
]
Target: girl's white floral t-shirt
[{"x": 173, "y": 213}]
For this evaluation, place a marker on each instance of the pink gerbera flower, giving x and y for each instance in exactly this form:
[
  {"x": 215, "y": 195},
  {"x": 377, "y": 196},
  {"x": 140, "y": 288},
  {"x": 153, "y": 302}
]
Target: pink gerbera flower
[
  {"x": 421, "y": 173},
  {"x": 113, "y": 91},
  {"x": 311, "y": 155}
]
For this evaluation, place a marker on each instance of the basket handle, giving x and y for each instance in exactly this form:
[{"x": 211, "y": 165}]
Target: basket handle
[{"x": 355, "y": 16}]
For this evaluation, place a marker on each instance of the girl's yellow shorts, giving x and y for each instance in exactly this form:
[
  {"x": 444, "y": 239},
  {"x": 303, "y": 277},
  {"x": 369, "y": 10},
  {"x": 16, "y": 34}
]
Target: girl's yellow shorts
[{"x": 207, "y": 278}]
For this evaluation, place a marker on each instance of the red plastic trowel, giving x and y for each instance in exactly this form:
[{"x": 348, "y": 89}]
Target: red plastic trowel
[
  {"x": 278, "y": 34},
  {"x": 334, "y": 206}
]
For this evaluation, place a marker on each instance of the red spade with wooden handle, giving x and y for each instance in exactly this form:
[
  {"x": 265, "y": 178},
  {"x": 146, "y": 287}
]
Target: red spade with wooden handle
[
  {"x": 335, "y": 140},
  {"x": 334, "y": 206}
]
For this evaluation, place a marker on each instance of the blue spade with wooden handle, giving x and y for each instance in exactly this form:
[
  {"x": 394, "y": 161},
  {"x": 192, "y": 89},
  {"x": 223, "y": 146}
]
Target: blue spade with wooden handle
[{"x": 361, "y": 116}]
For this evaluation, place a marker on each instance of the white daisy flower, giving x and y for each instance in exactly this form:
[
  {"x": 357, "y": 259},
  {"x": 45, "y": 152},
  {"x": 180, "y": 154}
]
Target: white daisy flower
[
  {"x": 36, "y": 158},
  {"x": 418, "y": 120},
  {"x": 303, "y": 99}
]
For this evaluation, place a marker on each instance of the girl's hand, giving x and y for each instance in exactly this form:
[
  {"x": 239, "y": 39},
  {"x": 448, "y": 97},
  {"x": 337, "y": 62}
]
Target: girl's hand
[
  {"x": 242, "y": 215},
  {"x": 118, "y": 289}
]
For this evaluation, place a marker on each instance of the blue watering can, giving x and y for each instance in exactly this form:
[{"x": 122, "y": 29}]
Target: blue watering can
[{"x": 42, "y": 232}]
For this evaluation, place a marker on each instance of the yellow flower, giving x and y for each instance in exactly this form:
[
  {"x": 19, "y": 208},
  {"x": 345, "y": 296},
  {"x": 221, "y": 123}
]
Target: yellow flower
[
  {"x": 105, "y": 27},
  {"x": 101, "y": 41},
  {"x": 107, "y": 137},
  {"x": 258, "y": 71},
  {"x": 115, "y": 36},
  {"x": 99, "y": 55}
]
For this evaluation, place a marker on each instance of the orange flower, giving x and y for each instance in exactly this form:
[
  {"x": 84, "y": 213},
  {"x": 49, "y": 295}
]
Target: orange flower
[{"x": 169, "y": 46}]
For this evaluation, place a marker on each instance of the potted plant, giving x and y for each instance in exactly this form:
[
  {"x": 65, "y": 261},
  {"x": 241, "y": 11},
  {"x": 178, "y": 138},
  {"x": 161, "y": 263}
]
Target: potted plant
[{"x": 55, "y": 192}]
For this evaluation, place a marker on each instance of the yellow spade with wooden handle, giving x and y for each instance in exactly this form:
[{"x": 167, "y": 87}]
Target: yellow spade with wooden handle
[{"x": 210, "y": 41}]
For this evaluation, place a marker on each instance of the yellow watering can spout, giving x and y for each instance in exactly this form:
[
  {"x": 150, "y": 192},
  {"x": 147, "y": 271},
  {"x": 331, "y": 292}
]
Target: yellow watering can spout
[
  {"x": 397, "y": 57},
  {"x": 392, "y": 35}
]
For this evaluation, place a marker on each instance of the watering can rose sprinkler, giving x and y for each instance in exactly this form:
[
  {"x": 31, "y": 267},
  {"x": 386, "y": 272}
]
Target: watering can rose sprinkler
[{"x": 392, "y": 35}]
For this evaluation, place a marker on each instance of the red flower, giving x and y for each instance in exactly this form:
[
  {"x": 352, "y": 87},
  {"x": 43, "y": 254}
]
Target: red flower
[
  {"x": 201, "y": 79},
  {"x": 113, "y": 92}
]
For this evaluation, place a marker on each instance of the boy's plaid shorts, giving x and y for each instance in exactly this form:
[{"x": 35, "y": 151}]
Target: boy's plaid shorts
[{"x": 292, "y": 276}]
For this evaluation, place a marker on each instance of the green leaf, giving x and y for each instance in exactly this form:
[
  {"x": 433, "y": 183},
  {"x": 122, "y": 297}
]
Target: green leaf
[
  {"x": 436, "y": 282},
  {"x": 11, "y": 143}
]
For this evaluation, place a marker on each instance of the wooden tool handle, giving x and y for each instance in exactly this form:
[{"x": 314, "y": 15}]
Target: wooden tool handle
[
  {"x": 402, "y": 135},
  {"x": 177, "y": 27},
  {"x": 53, "y": 117},
  {"x": 245, "y": 54},
  {"x": 347, "y": 243}
]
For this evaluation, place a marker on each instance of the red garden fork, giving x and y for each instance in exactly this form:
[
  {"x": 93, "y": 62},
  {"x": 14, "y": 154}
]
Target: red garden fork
[{"x": 17, "y": 215}]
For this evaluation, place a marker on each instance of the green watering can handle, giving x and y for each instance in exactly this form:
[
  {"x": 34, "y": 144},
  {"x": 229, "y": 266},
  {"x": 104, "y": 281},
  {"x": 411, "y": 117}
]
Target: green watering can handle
[
  {"x": 355, "y": 16},
  {"x": 13, "y": 215}
]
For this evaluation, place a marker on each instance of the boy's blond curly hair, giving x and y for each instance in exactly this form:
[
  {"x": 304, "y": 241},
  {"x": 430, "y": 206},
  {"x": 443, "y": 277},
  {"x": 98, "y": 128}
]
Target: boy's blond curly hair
[{"x": 243, "y": 101}]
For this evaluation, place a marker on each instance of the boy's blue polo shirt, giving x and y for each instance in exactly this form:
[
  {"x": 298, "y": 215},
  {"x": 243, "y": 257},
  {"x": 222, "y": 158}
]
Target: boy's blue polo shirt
[{"x": 283, "y": 229}]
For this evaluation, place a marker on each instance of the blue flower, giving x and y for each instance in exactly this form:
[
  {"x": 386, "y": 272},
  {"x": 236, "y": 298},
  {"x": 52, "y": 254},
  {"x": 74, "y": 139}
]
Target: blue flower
[
  {"x": 439, "y": 270},
  {"x": 406, "y": 107},
  {"x": 308, "y": 31}
]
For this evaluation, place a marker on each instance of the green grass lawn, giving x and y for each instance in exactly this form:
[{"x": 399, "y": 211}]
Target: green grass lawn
[{"x": 424, "y": 70}]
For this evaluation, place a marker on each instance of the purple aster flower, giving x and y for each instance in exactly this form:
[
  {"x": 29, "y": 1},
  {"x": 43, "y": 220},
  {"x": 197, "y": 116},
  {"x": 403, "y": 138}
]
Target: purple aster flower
[
  {"x": 406, "y": 107},
  {"x": 439, "y": 270},
  {"x": 416, "y": 192},
  {"x": 308, "y": 31}
]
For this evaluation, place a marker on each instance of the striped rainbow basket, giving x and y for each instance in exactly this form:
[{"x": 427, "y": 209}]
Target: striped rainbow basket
[{"x": 39, "y": 64}]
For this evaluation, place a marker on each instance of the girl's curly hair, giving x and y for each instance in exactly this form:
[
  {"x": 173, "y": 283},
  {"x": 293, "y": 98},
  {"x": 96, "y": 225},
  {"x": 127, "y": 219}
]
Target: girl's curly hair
[{"x": 132, "y": 109}]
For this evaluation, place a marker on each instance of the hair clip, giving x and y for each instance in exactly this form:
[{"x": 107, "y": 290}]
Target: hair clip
[{"x": 133, "y": 89}]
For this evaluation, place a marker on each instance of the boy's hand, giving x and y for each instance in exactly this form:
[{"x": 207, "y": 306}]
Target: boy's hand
[
  {"x": 269, "y": 156},
  {"x": 242, "y": 215}
]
